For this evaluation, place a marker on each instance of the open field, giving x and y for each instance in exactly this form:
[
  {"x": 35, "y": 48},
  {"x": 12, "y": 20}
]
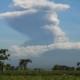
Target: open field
[
  {"x": 39, "y": 75},
  {"x": 39, "y": 72},
  {"x": 39, "y": 78}
]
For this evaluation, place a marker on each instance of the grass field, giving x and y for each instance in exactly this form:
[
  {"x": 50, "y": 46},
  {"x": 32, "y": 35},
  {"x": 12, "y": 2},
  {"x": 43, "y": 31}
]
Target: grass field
[
  {"x": 39, "y": 75},
  {"x": 39, "y": 78}
]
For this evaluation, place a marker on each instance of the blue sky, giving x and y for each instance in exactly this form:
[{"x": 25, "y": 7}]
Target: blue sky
[
  {"x": 70, "y": 19},
  {"x": 13, "y": 34},
  {"x": 9, "y": 36}
]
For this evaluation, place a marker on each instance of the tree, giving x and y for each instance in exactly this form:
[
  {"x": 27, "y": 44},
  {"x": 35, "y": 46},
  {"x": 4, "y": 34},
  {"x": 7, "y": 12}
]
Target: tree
[
  {"x": 56, "y": 67},
  {"x": 78, "y": 64},
  {"x": 3, "y": 56},
  {"x": 23, "y": 63},
  {"x": 62, "y": 67},
  {"x": 1, "y": 65}
]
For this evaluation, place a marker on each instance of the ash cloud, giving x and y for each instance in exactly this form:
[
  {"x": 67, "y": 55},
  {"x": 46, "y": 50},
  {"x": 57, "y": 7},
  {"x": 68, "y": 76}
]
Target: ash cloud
[{"x": 38, "y": 20}]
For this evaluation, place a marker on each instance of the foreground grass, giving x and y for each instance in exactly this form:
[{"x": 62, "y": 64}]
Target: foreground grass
[
  {"x": 39, "y": 78},
  {"x": 39, "y": 75}
]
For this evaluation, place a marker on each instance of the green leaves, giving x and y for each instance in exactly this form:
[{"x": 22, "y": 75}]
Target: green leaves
[{"x": 3, "y": 54}]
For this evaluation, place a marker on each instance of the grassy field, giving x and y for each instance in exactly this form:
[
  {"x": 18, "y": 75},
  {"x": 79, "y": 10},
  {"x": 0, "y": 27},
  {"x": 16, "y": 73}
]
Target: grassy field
[
  {"x": 39, "y": 75},
  {"x": 39, "y": 78}
]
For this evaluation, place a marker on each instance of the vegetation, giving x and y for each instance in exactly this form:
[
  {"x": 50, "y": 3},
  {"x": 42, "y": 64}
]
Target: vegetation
[
  {"x": 39, "y": 78},
  {"x": 40, "y": 75},
  {"x": 23, "y": 63},
  {"x": 21, "y": 72},
  {"x": 3, "y": 56},
  {"x": 62, "y": 67}
]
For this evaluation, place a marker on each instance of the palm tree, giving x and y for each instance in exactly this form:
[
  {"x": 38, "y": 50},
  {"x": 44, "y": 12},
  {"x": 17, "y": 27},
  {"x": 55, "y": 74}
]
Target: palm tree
[{"x": 23, "y": 63}]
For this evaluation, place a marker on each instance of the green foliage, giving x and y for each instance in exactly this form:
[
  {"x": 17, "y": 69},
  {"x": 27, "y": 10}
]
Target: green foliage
[
  {"x": 3, "y": 55},
  {"x": 1, "y": 66},
  {"x": 39, "y": 78},
  {"x": 78, "y": 68},
  {"x": 39, "y": 73},
  {"x": 8, "y": 67},
  {"x": 23, "y": 63},
  {"x": 62, "y": 67}
]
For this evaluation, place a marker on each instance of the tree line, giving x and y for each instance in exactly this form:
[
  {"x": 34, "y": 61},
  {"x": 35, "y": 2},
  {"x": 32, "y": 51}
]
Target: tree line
[{"x": 4, "y": 55}]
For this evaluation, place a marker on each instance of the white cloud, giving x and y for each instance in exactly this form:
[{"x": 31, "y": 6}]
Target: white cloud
[
  {"x": 53, "y": 17},
  {"x": 33, "y": 6},
  {"x": 59, "y": 35},
  {"x": 50, "y": 9},
  {"x": 30, "y": 4},
  {"x": 40, "y": 49},
  {"x": 65, "y": 45},
  {"x": 17, "y": 13},
  {"x": 29, "y": 50}
]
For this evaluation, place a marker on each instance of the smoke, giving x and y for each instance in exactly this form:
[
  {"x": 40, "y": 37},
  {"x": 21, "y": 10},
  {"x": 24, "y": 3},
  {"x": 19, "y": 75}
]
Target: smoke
[
  {"x": 33, "y": 17},
  {"x": 38, "y": 20},
  {"x": 59, "y": 35}
]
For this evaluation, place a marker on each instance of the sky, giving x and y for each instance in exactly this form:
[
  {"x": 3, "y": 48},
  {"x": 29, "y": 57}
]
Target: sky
[{"x": 46, "y": 31}]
